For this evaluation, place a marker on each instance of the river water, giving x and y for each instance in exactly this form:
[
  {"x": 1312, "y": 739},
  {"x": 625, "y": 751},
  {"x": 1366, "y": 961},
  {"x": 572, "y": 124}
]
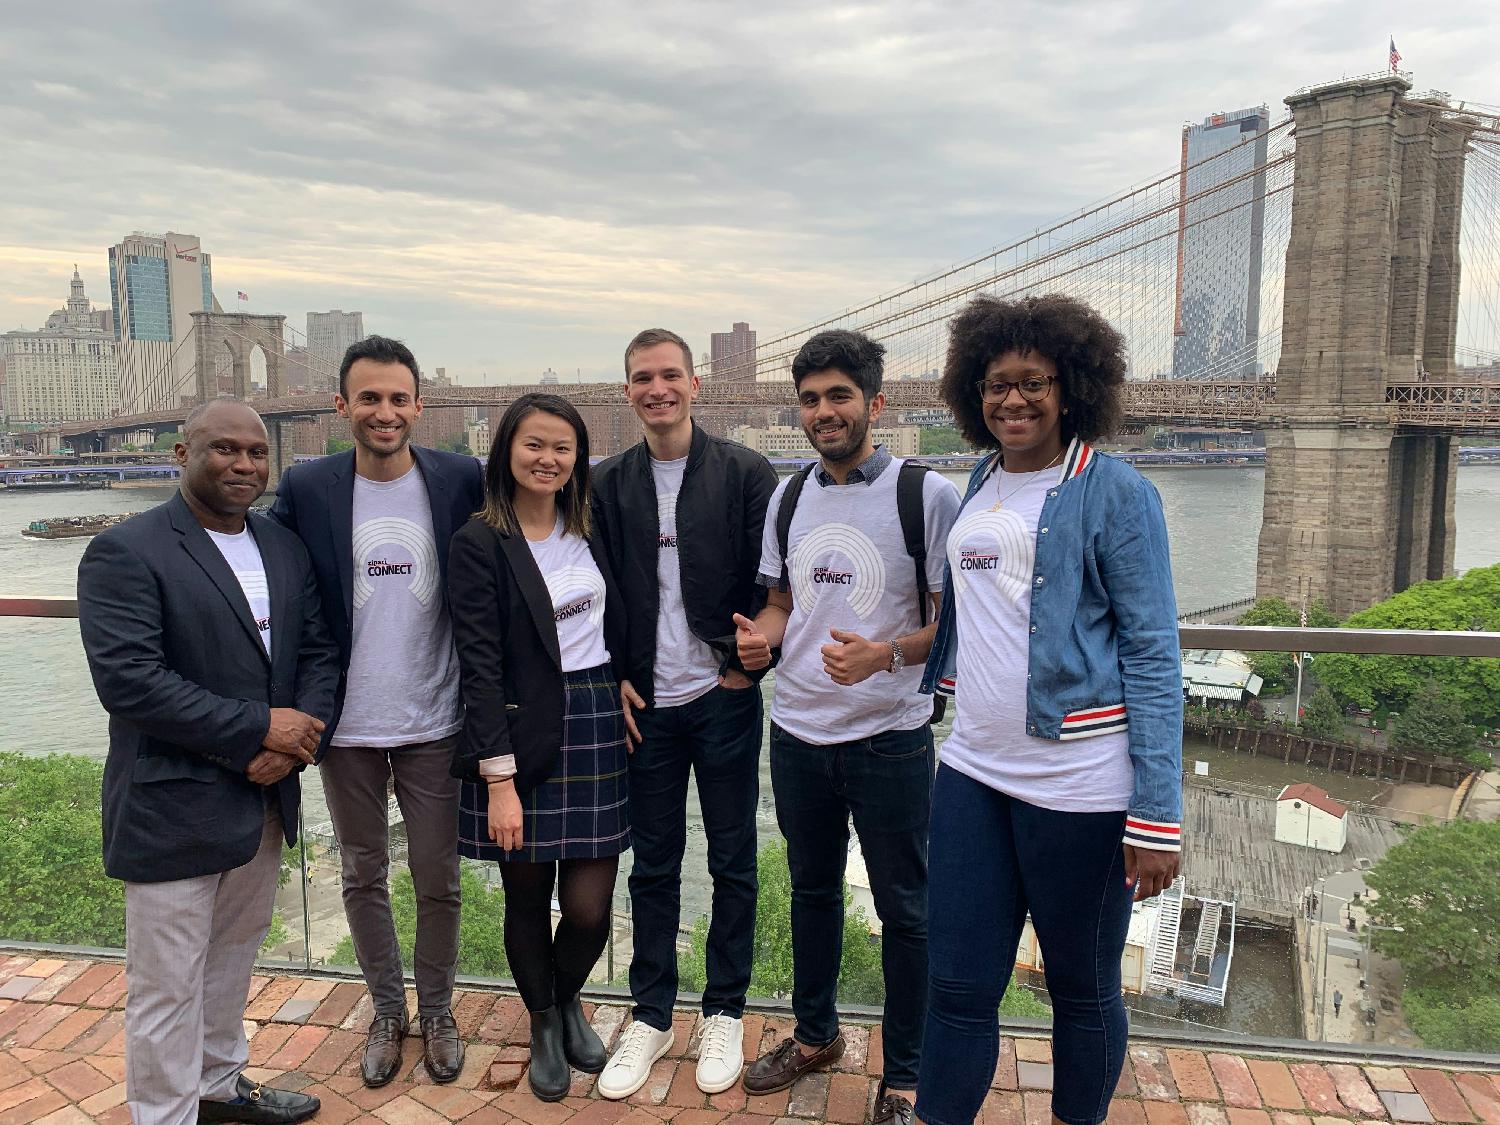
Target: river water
[{"x": 1213, "y": 518}]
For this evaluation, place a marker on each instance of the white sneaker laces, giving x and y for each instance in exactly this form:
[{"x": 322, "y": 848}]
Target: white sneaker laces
[
  {"x": 632, "y": 1045},
  {"x": 716, "y": 1035}
]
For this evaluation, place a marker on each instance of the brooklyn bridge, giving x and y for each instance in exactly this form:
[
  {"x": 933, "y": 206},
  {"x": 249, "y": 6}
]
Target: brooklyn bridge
[{"x": 1370, "y": 340}]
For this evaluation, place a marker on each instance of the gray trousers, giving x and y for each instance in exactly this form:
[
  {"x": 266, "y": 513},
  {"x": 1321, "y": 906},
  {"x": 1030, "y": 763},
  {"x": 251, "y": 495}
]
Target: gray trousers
[
  {"x": 190, "y": 945},
  {"x": 354, "y": 785}
]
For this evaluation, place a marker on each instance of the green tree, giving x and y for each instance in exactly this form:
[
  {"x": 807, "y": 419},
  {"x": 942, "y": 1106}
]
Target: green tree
[
  {"x": 481, "y": 928},
  {"x": 1322, "y": 718},
  {"x": 1453, "y": 1023},
  {"x": 1277, "y": 668},
  {"x": 338, "y": 445},
  {"x": 1469, "y": 602},
  {"x": 938, "y": 440},
  {"x": 1433, "y": 723},
  {"x": 165, "y": 442},
  {"x": 1020, "y": 1002},
  {"x": 52, "y": 882},
  {"x": 456, "y": 443}
]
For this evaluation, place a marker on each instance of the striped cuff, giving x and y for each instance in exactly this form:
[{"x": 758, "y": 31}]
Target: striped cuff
[
  {"x": 1158, "y": 835},
  {"x": 498, "y": 768}
]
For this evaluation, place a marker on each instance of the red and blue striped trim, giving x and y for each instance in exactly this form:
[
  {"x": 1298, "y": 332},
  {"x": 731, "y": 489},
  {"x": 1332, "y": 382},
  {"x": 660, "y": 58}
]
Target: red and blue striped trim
[
  {"x": 948, "y": 685},
  {"x": 1159, "y": 835},
  {"x": 1080, "y": 455},
  {"x": 1093, "y": 722}
]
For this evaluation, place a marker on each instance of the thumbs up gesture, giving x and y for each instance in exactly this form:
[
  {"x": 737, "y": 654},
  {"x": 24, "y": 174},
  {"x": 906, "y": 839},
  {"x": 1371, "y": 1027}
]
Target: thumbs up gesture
[
  {"x": 754, "y": 649},
  {"x": 851, "y": 658}
]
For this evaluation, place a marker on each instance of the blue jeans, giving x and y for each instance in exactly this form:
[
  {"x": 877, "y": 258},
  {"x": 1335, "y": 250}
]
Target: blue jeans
[
  {"x": 884, "y": 784},
  {"x": 993, "y": 858},
  {"x": 717, "y": 738}
]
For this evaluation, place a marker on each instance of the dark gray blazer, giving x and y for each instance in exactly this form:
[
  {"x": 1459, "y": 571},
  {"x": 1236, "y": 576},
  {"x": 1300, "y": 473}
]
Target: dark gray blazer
[{"x": 180, "y": 666}]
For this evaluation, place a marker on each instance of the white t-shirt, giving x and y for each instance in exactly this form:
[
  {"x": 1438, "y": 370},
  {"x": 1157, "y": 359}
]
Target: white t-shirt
[
  {"x": 402, "y": 687},
  {"x": 849, "y": 570},
  {"x": 243, "y": 556},
  {"x": 993, "y": 557},
  {"x": 577, "y": 591},
  {"x": 685, "y": 667}
]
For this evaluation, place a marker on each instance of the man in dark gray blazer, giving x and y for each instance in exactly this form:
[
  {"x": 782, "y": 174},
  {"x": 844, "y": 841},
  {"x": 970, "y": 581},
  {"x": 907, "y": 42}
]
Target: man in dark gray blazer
[
  {"x": 207, "y": 647},
  {"x": 376, "y": 522}
]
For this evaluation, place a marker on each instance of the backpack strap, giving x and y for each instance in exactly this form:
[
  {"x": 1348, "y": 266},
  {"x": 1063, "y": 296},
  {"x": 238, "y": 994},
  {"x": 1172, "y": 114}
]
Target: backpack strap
[
  {"x": 784, "y": 515},
  {"x": 914, "y": 526}
]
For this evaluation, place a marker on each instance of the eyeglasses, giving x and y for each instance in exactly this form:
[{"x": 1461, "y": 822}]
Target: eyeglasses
[{"x": 1033, "y": 388}]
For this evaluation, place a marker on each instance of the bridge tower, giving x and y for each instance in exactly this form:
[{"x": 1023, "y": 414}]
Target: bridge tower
[{"x": 1356, "y": 508}]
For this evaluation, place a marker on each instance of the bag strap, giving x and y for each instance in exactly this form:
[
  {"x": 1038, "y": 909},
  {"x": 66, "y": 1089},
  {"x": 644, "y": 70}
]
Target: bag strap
[
  {"x": 784, "y": 515},
  {"x": 914, "y": 526}
]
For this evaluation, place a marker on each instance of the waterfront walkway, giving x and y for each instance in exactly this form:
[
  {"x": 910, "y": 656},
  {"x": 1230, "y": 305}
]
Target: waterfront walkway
[{"x": 62, "y": 1061}]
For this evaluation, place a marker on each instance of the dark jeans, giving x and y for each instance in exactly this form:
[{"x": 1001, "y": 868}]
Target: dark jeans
[
  {"x": 993, "y": 858},
  {"x": 717, "y": 737},
  {"x": 885, "y": 784}
]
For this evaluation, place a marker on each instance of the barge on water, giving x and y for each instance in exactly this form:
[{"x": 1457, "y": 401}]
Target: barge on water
[{"x": 72, "y": 527}]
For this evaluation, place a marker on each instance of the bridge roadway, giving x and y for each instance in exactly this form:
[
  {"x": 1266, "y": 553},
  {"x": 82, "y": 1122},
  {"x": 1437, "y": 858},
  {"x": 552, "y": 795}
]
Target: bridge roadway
[{"x": 1455, "y": 407}]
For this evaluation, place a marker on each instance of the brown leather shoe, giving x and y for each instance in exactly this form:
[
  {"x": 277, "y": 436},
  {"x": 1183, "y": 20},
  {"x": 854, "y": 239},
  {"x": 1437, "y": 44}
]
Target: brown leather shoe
[
  {"x": 891, "y": 1108},
  {"x": 442, "y": 1047},
  {"x": 382, "y": 1050},
  {"x": 779, "y": 1068}
]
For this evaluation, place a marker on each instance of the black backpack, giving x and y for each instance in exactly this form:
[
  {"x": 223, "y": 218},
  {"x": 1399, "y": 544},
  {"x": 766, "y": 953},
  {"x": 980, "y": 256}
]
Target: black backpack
[{"x": 913, "y": 531}]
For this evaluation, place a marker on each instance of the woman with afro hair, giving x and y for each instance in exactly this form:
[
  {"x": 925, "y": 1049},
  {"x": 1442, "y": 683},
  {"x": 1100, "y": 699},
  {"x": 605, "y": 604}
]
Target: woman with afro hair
[{"x": 1060, "y": 789}]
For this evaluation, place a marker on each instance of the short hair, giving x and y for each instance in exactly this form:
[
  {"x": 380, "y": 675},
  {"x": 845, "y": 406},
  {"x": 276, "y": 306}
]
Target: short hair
[
  {"x": 1088, "y": 353},
  {"x": 653, "y": 336},
  {"x": 853, "y": 353},
  {"x": 500, "y": 482},
  {"x": 381, "y": 349}
]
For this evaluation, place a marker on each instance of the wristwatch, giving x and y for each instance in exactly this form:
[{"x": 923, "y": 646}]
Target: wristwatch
[{"x": 898, "y": 657}]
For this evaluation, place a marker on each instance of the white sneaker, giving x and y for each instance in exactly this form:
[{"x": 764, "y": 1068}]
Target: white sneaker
[
  {"x": 630, "y": 1065},
  {"x": 721, "y": 1053}
]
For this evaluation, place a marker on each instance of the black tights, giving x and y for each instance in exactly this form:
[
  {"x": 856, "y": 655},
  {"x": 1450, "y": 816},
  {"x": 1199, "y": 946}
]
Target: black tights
[{"x": 550, "y": 968}]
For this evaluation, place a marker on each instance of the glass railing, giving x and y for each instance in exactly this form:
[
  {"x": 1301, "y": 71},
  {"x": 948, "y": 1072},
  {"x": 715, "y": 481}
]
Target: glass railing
[{"x": 1341, "y": 866}]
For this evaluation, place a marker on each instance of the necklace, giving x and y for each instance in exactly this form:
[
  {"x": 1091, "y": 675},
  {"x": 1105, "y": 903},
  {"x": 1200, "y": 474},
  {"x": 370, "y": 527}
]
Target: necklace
[{"x": 1001, "y": 501}]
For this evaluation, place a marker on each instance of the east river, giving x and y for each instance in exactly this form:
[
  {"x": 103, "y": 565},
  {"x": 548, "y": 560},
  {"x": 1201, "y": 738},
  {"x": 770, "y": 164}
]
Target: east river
[{"x": 1213, "y": 517}]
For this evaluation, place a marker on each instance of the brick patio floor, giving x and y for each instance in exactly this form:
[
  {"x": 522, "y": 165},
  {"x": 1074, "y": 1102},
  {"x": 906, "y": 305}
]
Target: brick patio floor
[{"x": 62, "y": 1045}]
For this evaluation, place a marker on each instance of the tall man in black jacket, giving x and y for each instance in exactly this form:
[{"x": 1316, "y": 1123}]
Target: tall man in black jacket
[
  {"x": 680, "y": 515},
  {"x": 206, "y": 646},
  {"x": 376, "y": 521}
]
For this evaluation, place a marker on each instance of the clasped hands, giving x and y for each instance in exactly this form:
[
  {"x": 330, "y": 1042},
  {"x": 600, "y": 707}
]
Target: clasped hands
[
  {"x": 291, "y": 742},
  {"x": 849, "y": 660}
]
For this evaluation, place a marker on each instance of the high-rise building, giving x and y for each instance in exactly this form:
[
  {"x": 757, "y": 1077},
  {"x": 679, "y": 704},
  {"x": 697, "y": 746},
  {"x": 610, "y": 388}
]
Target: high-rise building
[
  {"x": 1219, "y": 243},
  {"x": 732, "y": 354},
  {"x": 64, "y": 372},
  {"x": 156, "y": 283},
  {"x": 329, "y": 335}
]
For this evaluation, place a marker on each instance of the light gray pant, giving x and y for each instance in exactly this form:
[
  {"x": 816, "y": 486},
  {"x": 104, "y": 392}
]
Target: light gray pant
[
  {"x": 190, "y": 945},
  {"x": 354, "y": 785}
]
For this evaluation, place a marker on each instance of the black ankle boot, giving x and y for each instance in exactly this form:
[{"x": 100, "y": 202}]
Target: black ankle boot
[
  {"x": 548, "y": 1073},
  {"x": 580, "y": 1042}
]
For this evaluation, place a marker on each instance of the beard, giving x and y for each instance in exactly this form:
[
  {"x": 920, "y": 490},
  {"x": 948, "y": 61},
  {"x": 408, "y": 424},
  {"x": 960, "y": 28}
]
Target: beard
[{"x": 850, "y": 444}]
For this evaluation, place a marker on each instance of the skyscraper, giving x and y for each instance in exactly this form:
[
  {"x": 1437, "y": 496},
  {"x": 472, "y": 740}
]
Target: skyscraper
[
  {"x": 329, "y": 335},
  {"x": 66, "y": 371},
  {"x": 732, "y": 353},
  {"x": 156, "y": 283},
  {"x": 1219, "y": 244}
]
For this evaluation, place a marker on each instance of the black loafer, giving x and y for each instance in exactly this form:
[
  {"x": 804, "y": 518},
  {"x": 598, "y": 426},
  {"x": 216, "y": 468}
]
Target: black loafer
[
  {"x": 260, "y": 1105},
  {"x": 442, "y": 1047},
  {"x": 382, "y": 1057}
]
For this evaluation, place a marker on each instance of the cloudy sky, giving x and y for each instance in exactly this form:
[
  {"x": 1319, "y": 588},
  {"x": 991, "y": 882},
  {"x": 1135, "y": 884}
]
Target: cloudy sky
[{"x": 513, "y": 187}]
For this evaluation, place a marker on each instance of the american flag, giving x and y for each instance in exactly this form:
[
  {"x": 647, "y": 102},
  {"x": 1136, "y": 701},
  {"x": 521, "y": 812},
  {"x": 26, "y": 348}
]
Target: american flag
[
  {"x": 243, "y": 295},
  {"x": 1395, "y": 55}
]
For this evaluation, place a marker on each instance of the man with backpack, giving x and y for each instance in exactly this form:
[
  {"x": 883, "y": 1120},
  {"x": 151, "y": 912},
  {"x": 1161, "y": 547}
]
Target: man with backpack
[{"x": 854, "y": 576}]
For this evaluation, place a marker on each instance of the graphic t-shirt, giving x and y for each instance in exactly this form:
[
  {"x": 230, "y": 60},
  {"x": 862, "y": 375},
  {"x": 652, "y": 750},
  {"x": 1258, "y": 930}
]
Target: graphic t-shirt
[
  {"x": 685, "y": 667},
  {"x": 402, "y": 686},
  {"x": 993, "y": 556},
  {"x": 849, "y": 570},
  {"x": 243, "y": 556},
  {"x": 577, "y": 591}
]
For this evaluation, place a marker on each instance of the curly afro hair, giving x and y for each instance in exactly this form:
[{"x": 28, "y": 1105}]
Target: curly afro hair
[{"x": 1088, "y": 353}]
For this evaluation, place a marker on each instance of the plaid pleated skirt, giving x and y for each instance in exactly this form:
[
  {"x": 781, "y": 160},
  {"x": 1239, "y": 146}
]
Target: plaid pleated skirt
[{"x": 583, "y": 810}]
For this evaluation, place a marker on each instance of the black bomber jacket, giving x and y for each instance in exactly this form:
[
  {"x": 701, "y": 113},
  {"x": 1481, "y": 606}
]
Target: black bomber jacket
[{"x": 720, "y": 513}]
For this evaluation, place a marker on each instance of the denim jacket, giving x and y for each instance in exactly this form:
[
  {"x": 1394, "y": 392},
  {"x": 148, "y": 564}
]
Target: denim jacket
[{"x": 1104, "y": 654}]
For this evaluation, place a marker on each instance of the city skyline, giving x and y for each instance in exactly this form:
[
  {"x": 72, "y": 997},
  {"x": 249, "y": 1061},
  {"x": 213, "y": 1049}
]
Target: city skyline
[{"x": 508, "y": 224}]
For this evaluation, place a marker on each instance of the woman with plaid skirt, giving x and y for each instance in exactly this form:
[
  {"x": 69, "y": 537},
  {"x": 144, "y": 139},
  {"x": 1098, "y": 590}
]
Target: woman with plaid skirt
[{"x": 542, "y": 753}]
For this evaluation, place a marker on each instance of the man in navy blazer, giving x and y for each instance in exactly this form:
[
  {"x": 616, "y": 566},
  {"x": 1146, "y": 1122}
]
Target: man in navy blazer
[
  {"x": 377, "y": 521},
  {"x": 208, "y": 650}
]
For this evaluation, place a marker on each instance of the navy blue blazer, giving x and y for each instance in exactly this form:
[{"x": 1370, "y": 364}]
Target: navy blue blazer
[
  {"x": 180, "y": 666},
  {"x": 315, "y": 499}
]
